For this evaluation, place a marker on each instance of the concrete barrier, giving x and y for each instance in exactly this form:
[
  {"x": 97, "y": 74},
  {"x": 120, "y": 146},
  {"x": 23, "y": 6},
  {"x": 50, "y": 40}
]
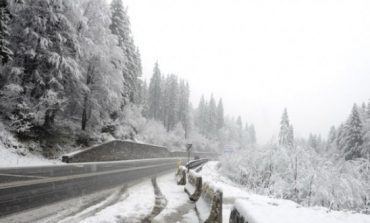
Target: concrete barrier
[
  {"x": 181, "y": 175},
  {"x": 207, "y": 196},
  {"x": 236, "y": 217},
  {"x": 193, "y": 186},
  {"x": 117, "y": 150},
  {"x": 210, "y": 202}
]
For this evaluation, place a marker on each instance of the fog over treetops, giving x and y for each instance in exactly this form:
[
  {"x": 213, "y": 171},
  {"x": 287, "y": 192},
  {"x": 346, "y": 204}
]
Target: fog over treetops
[{"x": 261, "y": 56}]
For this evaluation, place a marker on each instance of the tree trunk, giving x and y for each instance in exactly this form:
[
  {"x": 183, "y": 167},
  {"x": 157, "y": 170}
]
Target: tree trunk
[
  {"x": 89, "y": 80},
  {"x": 49, "y": 118},
  {"x": 84, "y": 115}
]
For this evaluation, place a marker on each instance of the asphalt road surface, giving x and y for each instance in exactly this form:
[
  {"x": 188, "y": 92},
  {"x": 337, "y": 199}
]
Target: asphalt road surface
[{"x": 31, "y": 187}]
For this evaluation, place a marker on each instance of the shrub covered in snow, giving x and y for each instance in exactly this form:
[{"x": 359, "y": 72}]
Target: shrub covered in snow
[{"x": 303, "y": 175}]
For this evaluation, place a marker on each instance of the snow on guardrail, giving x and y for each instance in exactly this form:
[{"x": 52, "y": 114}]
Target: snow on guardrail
[
  {"x": 210, "y": 203},
  {"x": 181, "y": 175},
  {"x": 207, "y": 195},
  {"x": 193, "y": 186},
  {"x": 285, "y": 211},
  {"x": 195, "y": 163}
]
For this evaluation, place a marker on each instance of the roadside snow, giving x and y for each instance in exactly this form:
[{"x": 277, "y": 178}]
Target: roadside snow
[
  {"x": 135, "y": 204},
  {"x": 263, "y": 209},
  {"x": 10, "y": 158},
  {"x": 260, "y": 210},
  {"x": 179, "y": 208}
]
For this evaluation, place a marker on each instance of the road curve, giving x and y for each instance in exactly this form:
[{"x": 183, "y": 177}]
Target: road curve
[{"x": 30, "y": 187}]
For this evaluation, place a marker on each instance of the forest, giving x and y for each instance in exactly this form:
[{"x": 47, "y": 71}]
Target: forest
[
  {"x": 333, "y": 172},
  {"x": 71, "y": 76}
]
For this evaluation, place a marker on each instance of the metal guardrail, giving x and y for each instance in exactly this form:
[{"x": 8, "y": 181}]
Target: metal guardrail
[
  {"x": 195, "y": 163},
  {"x": 204, "y": 192}
]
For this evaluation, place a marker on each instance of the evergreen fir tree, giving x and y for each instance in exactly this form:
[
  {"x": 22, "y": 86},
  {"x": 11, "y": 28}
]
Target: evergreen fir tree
[
  {"x": 183, "y": 106},
  {"x": 353, "y": 136},
  {"x": 201, "y": 116},
  {"x": 212, "y": 117},
  {"x": 220, "y": 114},
  {"x": 286, "y": 134},
  {"x": 6, "y": 53},
  {"x": 252, "y": 135},
  {"x": 155, "y": 93},
  {"x": 47, "y": 52},
  {"x": 121, "y": 27},
  {"x": 332, "y": 135},
  {"x": 172, "y": 102}
]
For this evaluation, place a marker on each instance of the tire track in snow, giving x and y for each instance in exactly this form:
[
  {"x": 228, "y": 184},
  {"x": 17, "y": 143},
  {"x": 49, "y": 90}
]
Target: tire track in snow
[
  {"x": 114, "y": 198},
  {"x": 159, "y": 205}
]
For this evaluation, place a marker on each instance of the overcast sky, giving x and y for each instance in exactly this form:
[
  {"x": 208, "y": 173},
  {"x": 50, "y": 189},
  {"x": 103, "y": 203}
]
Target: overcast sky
[{"x": 260, "y": 56}]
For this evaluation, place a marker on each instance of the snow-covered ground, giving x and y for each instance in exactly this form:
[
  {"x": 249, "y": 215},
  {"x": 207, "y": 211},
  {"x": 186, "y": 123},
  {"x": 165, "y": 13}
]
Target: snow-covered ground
[
  {"x": 134, "y": 205},
  {"x": 263, "y": 209},
  {"x": 12, "y": 158},
  {"x": 179, "y": 208}
]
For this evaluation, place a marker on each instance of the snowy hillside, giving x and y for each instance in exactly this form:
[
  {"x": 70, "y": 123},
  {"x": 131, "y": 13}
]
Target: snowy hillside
[{"x": 263, "y": 209}]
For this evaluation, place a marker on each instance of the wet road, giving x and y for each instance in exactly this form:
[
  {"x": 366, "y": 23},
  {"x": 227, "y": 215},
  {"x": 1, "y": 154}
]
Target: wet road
[{"x": 30, "y": 187}]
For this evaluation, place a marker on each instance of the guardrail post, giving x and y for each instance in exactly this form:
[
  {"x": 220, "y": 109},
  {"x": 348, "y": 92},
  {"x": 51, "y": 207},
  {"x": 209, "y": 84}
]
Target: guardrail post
[
  {"x": 215, "y": 215},
  {"x": 196, "y": 182},
  {"x": 236, "y": 217},
  {"x": 181, "y": 175}
]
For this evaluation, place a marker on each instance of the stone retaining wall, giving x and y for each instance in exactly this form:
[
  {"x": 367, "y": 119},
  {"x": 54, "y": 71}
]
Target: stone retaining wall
[{"x": 117, "y": 150}]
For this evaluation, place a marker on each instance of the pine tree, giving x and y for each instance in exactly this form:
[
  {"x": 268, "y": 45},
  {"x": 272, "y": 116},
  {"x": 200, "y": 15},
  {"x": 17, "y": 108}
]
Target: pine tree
[
  {"x": 239, "y": 122},
  {"x": 332, "y": 135},
  {"x": 212, "y": 117},
  {"x": 286, "y": 134},
  {"x": 183, "y": 106},
  {"x": 6, "y": 53},
  {"x": 252, "y": 135},
  {"x": 155, "y": 94},
  {"x": 172, "y": 102},
  {"x": 201, "y": 116},
  {"x": 353, "y": 136},
  {"x": 121, "y": 27},
  {"x": 220, "y": 114},
  {"x": 46, "y": 54},
  {"x": 242, "y": 136},
  {"x": 340, "y": 137},
  {"x": 102, "y": 60}
]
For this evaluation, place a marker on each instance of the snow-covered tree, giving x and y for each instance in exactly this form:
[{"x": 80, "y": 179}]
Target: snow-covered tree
[
  {"x": 6, "y": 53},
  {"x": 286, "y": 134},
  {"x": 201, "y": 116},
  {"x": 155, "y": 93},
  {"x": 212, "y": 117},
  {"x": 183, "y": 106},
  {"x": 332, "y": 135},
  {"x": 353, "y": 135},
  {"x": 252, "y": 134},
  {"x": 171, "y": 102},
  {"x": 120, "y": 26},
  {"x": 143, "y": 97},
  {"x": 45, "y": 59},
  {"x": 220, "y": 114},
  {"x": 103, "y": 62}
]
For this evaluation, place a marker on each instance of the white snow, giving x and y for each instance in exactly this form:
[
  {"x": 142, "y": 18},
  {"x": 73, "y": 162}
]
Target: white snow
[
  {"x": 10, "y": 158},
  {"x": 136, "y": 203},
  {"x": 179, "y": 208},
  {"x": 190, "y": 188},
  {"x": 204, "y": 209},
  {"x": 263, "y": 209}
]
